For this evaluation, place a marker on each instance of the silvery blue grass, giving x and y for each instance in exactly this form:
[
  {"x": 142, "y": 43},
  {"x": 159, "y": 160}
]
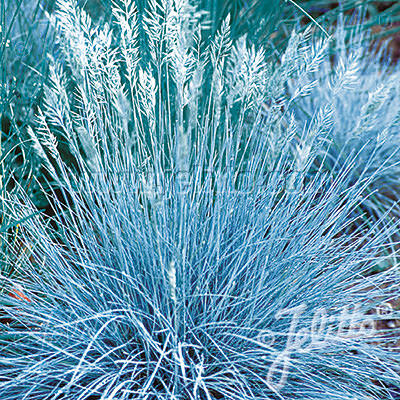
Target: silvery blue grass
[
  {"x": 359, "y": 88},
  {"x": 196, "y": 251}
]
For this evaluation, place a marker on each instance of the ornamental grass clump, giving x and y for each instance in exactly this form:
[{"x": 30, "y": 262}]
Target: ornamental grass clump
[
  {"x": 359, "y": 86},
  {"x": 195, "y": 251}
]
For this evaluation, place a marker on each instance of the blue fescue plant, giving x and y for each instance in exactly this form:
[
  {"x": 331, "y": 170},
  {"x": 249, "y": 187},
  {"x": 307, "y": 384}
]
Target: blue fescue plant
[
  {"x": 195, "y": 251},
  {"x": 359, "y": 87}
]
